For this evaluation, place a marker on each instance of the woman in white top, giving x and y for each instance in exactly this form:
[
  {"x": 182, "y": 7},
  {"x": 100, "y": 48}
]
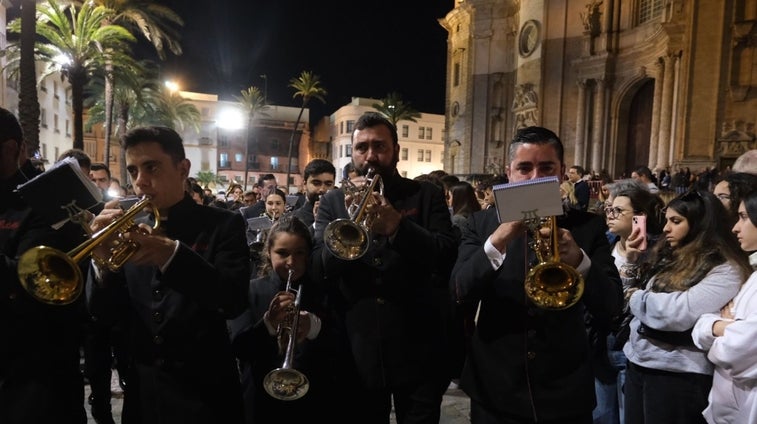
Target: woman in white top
[
  {"x": 695, "y": 268},
  {"x": 731, "y": 337}
]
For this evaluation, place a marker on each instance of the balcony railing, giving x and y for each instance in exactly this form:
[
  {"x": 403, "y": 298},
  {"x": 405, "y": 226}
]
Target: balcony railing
[{"x": 223, "y": 164}]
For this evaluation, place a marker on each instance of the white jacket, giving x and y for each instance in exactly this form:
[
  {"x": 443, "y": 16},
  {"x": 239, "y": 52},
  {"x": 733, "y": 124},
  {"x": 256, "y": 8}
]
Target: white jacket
[{"x": 733, "y": 398}]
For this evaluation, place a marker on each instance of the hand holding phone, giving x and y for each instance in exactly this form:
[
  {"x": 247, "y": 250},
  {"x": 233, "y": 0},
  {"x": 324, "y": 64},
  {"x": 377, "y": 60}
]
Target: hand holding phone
[{"x": 640, "y": 222}]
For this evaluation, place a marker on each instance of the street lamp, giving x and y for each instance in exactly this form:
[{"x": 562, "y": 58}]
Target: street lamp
[
  {"x": 265, "y": 88},
  {"x": 232, "y": 119},
  {"x": 172, "y": 86}
]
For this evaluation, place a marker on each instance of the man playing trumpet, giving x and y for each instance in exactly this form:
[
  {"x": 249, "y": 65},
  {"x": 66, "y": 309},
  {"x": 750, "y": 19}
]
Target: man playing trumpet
[
  {"x": 528, "y": 364},
  {"x": 184, "y": 281},
  {"x": 387, "y": 298}
]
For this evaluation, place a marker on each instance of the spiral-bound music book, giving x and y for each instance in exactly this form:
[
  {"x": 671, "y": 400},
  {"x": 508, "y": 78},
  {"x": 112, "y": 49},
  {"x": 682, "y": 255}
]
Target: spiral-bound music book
[
  {"x": 539, "y": 197},
  {"x": 60, "y": 192}
]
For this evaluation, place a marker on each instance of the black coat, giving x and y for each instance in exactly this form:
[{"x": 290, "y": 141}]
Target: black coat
[
  {"x": 40, "y": 379},
  {"x": 183, "y": 369},
  {"x": 258, "y": 354},
  {"x": 525, "y": 361},
  {"x": 388, "y": 304}
]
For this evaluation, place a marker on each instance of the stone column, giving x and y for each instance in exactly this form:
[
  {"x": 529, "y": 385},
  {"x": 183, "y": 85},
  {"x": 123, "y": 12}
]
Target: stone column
[
  {"x": 597, "y": 139},
  {"x": 666, "y": 114},
  {"x": 655, "y": 131},
  {"x": 580, "y": 152}
]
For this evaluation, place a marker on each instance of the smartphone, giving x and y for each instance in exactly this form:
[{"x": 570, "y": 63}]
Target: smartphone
[{"x": 640, "y": 222}]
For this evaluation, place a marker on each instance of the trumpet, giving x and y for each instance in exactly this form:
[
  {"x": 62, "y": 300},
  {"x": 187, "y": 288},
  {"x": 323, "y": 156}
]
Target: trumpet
[
  {"x": 551, "y": 284},
  {"x": 286, "y": 383},
  {"x": 52, "y": 276},
  {"x": 349, "y": 238}
]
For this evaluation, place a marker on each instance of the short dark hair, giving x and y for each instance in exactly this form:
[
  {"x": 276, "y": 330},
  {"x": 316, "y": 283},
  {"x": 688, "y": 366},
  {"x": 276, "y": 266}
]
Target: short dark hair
[
  {"x": 265, "y": 177},
  {"x": 10, "y": 129},
  {"x": 374, "y": 119},
  {"x": 98, "y": 166},
  {"x": 643, "y": 170},
  {"x": 169, "y": 140},
  {"x": 82, "y": 158},
  {"x": 318, "y": 166},
  {"x": 536, "y": 135},
  {"x": 579, "y": 170}
]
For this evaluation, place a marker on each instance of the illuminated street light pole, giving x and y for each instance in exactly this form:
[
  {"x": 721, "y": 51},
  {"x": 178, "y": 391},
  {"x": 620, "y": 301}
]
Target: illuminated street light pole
[{"x": 265, "y": 88}]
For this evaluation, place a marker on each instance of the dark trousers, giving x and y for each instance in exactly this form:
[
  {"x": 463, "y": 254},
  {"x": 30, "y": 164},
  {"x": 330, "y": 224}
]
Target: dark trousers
[
  {"x": 480, "y": 414},
  {"x": 413, "y": 404},
  {"x": 664, "y": 397}
]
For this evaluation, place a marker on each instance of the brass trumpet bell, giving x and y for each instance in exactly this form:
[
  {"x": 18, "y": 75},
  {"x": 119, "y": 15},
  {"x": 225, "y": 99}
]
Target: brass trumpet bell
[
  {"x": 49, "y": 275},
  {"x": 52, "y": 276},
  {"x": 286, "y": 384},
  {"x": 552, "y": 284},
  {"x": 350, "y": 238}
]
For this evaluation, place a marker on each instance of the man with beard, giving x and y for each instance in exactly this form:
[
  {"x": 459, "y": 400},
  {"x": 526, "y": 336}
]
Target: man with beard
[
  {"x": 388, "y": 303},
  {"x": 319, "y": 177}
]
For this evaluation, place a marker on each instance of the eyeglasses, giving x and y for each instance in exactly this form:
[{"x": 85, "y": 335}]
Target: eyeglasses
[
  {"x": 723, "y": 196},
  {"x": 615, "y": 212}
]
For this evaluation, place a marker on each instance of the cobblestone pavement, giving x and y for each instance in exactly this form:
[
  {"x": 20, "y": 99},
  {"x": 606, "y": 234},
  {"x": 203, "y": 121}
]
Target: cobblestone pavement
[{"x": 455, "y": 408}]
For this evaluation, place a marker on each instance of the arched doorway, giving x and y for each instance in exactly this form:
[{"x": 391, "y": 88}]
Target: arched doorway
[{"x": 639, "y": 128}]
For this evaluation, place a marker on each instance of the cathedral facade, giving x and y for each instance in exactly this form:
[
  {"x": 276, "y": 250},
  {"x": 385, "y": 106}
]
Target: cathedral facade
[{"x": 662, "y": 83}]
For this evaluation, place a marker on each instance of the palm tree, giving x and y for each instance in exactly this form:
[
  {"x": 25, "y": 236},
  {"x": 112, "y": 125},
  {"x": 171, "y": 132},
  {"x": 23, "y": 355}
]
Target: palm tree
[
  {"x": 205, "y": 178},
  {"x": 77, "y": 45},
  {"x": 395, "y": 109},
  {"x": 172, "y": 110},
  {"x": 307, "y": 86},
  {"x": 28, "y": 103},
  {"x": 156, "y": 23},
  {"x": 253, "y": 103}
]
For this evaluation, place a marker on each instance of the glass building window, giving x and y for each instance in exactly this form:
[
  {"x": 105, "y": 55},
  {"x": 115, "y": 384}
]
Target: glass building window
[
  {"x": 403, "y": 155},
  {"x": 238, "y": 157},
  {"x": 350, "y": 126},
  {"x": 428, "y": 133},
  {"x": 428, "y": 155},
  {"x": 274, "y": 163},
  {"x": 405, "y": 131},
  {"x": 650, "y": 9},
  {"x": 420, "y": 155},
  {"x": 421, "y": 132}
]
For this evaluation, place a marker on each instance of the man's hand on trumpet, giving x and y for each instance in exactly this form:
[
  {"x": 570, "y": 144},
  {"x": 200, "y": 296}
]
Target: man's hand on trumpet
[
  {"x": 155, "y": 249},
  {"x": 569, "y": 251},
  {"x": 386, "y": 219}
]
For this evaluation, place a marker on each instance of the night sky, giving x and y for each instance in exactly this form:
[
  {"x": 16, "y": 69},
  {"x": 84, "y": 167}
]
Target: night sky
[{"x": 358, "y": 48}]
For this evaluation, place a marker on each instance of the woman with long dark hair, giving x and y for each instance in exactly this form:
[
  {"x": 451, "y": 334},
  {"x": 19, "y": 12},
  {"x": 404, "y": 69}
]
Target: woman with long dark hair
[{"x": 695, "y": 268}]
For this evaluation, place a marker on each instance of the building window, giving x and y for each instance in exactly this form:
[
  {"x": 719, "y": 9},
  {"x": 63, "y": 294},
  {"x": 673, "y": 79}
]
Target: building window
[
  {"x": 420, "y": 155},
  {"x": 405, "y": 131},
  {"x": 55, "y": 123},
  {"x": 348, "y": 150},
  {"x": 428, "y": 155},
  {"x": 43, "y": 118},
  {"x": 404, "y": 174},
  {"x": 421, "y": 132},
  {"x": 223, "y": 141},
  {"x": 341, "y": 151},
  {"x": 68, "y": 127},
  {"x": 341, "y": 127},
  {"x": 455, "y": 74},
  {"x": 650, "y": 9},
  {"x": 238, "y": 157},
  {"x": 404, "y": 154},
  {"x": 428, "y": 133},
  {"x": 275, "y": 144},
  {"x": 44, "y": 150},
  {"x": 55, "y": 89},
  {"x": 350, "y": 126},
  {"x": 274, "y": 163},
  {"x": 223, "y": 160},
  {"x": 57, "y": 153}
]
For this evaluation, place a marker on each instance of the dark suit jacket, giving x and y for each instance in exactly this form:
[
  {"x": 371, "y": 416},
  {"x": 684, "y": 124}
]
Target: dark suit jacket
[
  {"x": 258, "y": 354},
  {"x": 40, "y": 378},
  {"x": 385, "y": 302},
  {"x": 183, "y": 369},
  {"x": 583, "y": 194},
  {"x": 525, "y": 361}
]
